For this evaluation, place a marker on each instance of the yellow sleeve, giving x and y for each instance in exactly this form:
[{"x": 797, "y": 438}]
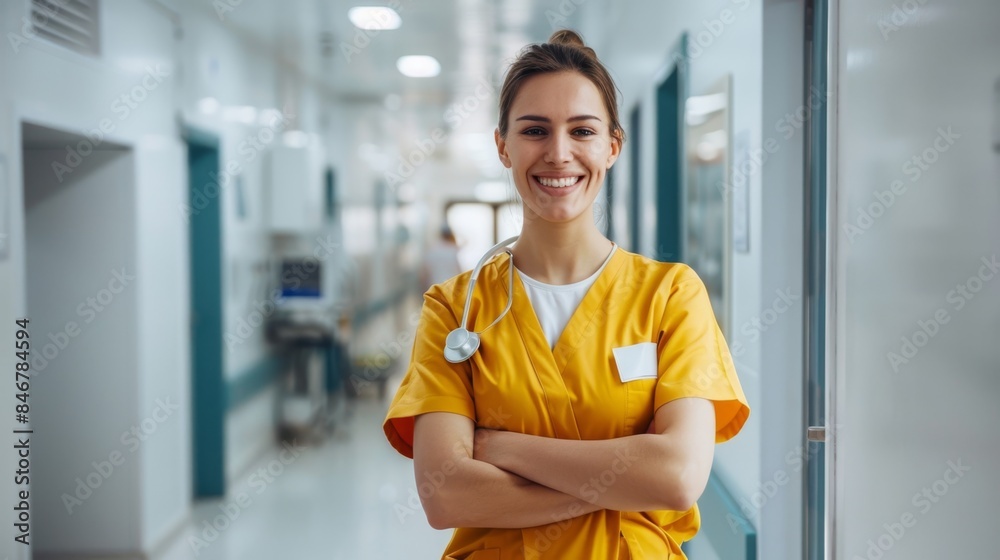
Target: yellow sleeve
[
  {"x": 431, "y": 383},
  {"x": 694, "y": 360}
]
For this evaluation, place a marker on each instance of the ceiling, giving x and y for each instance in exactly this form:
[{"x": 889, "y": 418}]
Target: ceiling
[
  {"x": 474, "y": 40},
  {"x": 470, "y": 38}
]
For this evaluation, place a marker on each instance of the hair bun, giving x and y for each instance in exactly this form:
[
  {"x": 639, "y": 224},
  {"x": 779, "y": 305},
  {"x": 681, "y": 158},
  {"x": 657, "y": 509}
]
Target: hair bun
[
  {"x": 570, "y": 38},
  {"x": 567, "y": 37}
]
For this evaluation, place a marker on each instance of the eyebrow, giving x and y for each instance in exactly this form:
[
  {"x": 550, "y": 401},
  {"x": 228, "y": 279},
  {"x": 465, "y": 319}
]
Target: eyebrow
[{"x": 548, "y": 120}]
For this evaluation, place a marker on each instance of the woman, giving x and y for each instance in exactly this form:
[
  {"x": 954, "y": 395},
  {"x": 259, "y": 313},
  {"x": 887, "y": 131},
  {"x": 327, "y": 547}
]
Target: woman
[{"x": 538, "y": 446}]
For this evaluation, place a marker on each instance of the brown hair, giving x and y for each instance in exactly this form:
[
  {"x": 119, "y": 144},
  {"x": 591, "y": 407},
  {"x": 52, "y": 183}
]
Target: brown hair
[{"x": 564, "y": 52}]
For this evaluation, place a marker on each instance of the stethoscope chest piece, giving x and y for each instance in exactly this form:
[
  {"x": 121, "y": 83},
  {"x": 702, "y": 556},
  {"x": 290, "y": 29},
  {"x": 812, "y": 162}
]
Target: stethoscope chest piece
[{"x": 460, "y": 345}]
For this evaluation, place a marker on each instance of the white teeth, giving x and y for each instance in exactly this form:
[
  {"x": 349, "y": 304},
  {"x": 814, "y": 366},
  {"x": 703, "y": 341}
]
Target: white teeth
[{"x": 558, "y": 183}]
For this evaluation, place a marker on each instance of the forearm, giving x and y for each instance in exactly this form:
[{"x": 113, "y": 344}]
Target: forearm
[
  {"x": 478, "y": 494},
  {"x": 634, "y": 473}
]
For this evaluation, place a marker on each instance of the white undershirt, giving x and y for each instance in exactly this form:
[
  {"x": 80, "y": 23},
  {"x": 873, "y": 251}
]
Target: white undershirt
[{"x": 554, "y": 304}]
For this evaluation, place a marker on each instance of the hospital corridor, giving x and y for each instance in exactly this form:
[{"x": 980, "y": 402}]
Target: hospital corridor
[{"x": 500, "y": 279}]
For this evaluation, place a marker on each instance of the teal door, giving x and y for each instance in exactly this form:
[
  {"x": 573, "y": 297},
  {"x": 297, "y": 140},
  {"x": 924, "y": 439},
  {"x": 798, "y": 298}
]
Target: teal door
[
  {"x": 671, "y": 95},
  {"x": 207, "y": 387},
  {"x": 635, "y": 130}
]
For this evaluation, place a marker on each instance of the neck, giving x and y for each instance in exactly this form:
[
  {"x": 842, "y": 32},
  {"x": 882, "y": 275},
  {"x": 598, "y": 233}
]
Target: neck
[{"x": 560, "y": 253}]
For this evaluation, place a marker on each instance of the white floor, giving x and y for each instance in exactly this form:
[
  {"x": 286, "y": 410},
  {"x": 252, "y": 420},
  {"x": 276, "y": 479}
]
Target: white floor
[{"x": 352, "y": 497}]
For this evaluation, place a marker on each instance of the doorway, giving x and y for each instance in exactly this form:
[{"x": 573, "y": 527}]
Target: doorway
[
  {"x": 671, "y": 96},
  {"x": 82, "y": 302}
]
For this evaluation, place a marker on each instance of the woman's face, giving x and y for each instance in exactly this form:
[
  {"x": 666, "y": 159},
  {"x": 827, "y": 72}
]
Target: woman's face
[{"x": 558, "y": 146}]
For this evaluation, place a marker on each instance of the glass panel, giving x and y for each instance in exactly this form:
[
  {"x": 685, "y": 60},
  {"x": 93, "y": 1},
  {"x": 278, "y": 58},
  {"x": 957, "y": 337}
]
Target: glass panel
[{"x": 706, "y": 239}]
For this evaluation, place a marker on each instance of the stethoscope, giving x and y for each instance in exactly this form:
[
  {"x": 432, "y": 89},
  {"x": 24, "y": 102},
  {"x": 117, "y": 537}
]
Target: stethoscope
[{"x": 462, "y": 343}]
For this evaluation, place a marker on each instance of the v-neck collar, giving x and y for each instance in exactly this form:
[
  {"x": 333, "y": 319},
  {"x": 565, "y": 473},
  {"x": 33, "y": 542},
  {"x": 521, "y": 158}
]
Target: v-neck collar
[{"x": 549, "y": 363}]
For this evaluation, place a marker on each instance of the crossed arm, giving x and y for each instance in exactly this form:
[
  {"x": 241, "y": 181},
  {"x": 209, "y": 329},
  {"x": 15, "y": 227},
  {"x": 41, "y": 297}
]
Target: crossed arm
[{"x": 487, "y": 478}]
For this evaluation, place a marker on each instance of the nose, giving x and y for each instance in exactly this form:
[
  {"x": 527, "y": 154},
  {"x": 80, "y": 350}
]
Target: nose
[{"x": 559, "y": 150}]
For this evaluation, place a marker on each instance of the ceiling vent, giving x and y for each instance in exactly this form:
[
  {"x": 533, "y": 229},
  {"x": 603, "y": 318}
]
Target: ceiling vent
[{"x": 73, "y": 24}]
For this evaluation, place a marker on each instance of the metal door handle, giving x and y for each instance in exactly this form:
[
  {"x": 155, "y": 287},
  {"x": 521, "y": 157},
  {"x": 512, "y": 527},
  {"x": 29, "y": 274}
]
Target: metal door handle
[{"x": 816, "y": 433}]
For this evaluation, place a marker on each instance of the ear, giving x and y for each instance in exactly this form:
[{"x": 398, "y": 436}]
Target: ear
[
  {"x": 501, "y": 148},
  {"x": 616, "y": 150}
]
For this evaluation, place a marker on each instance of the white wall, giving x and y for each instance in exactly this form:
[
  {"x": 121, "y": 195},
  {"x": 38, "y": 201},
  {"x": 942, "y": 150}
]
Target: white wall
[
  {"x": 910, "y": 72},
  {"x": 778, "y": 498},
  {"x": 75, "y": 93},
  {"x": 164, "y": 344}
]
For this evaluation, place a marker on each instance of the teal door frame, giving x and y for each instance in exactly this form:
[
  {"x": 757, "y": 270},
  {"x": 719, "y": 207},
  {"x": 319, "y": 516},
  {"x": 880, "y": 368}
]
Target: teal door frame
[
  {"x": 671, "y": 97},
  {"x": 635, "y": 174},
  {"x": 815, "y": 206},
  {"x": 208, "y": 388},
  {"x": 609, "y": 204}
]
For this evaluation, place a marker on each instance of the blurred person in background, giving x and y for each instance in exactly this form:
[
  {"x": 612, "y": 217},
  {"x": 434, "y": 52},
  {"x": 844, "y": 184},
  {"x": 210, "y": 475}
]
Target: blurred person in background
[{"x": 441, "y": 260}]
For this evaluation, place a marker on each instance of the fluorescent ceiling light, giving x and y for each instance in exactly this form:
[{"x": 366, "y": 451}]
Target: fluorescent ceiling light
[
  {"x": 419, "y": 66},
  {"x": 374, "y": 17}
]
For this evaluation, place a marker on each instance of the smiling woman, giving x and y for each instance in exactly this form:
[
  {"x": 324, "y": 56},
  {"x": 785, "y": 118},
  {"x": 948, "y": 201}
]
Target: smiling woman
[{"x": 585, "y": 427}]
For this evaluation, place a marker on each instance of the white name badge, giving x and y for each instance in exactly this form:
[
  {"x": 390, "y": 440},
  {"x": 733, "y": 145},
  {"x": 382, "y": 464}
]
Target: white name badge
[{"x": 636, "y": 362}]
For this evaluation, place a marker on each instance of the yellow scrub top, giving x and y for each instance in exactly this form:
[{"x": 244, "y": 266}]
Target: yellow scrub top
[{"x": 515, "y": 382}]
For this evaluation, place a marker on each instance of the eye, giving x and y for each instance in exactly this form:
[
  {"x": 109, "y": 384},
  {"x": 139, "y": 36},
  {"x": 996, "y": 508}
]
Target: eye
[
  {"x": 533, "y": 131},
  {"x": 584, "y": 132}
]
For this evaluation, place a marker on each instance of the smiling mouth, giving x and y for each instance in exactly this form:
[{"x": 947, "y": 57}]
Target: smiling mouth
[{"x": 559, "y": 183}]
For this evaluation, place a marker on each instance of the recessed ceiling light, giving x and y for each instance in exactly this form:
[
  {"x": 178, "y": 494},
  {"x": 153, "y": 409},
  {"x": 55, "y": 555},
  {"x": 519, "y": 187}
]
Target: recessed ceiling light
[
  {"x": 374, "y": 17},
  {"x": 418, "y": 66}
]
